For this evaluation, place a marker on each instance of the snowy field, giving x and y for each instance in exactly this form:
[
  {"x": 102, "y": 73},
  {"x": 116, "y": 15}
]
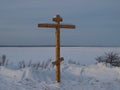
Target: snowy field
[
  {"x": 83, "y": 55},
  {"x": 73, "y": 76}
]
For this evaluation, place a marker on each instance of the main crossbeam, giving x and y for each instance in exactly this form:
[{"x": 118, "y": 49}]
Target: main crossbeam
[{"x": 48, "y": 25}]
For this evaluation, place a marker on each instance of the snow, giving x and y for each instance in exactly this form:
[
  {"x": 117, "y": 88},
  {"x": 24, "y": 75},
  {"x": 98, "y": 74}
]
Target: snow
[
  {"x": 73, "y": 76},
  {"x": 84, "y": 55}
]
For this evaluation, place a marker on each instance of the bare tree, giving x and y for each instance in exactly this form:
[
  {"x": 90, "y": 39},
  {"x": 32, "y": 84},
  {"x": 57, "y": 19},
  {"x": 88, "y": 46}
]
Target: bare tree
[{"x": 112, "y": 58}]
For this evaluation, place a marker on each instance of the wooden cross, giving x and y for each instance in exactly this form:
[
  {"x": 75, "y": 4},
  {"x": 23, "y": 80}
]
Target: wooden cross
[{"x": 57, "y": 19}]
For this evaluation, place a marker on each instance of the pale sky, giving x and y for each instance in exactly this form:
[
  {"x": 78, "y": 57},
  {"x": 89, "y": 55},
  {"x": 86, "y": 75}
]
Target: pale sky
[{"x": 97, "y": 22}]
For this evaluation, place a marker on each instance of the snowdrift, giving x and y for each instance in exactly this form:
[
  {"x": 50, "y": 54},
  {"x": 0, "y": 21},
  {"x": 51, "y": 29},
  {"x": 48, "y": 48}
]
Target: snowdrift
[{"x": 73, "y": 77}]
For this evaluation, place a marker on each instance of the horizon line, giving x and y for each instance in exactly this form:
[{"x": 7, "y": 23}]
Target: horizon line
[{"x": 60, "y": 45}]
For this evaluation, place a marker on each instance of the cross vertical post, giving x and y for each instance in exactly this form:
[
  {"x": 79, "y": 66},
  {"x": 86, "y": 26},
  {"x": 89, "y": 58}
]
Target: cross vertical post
[
  {"x": 57, "y": 19},
  {"x": 59, "y": 59}
]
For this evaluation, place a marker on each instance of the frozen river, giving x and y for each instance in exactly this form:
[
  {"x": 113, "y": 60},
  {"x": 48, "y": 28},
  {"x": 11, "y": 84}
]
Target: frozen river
[{"x": 83, "y": 55}]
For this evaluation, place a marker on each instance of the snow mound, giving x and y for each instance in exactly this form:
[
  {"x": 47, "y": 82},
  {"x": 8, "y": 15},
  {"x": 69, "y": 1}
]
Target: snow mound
[{"x": 73, "y": 77}]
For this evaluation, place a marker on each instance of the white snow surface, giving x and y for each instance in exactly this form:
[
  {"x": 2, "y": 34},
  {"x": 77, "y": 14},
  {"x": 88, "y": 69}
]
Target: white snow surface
[
  {"x": 73, "y": 77},
  {"x": 84, "y": 55}
]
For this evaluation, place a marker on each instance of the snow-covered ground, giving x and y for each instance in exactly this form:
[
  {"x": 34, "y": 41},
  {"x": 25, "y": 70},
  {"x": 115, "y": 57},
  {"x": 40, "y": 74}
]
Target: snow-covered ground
[
  {"x": 73, "y": 76},
  {"x": 84, "y": 55}
]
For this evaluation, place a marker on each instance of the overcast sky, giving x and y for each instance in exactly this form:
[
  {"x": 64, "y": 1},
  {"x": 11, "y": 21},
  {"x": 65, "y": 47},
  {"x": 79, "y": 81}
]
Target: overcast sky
[{"x": 97, "y": 22}]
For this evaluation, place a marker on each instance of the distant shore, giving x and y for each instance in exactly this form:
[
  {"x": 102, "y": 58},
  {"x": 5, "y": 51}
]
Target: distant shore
[{"x": 54, "y": 46}]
